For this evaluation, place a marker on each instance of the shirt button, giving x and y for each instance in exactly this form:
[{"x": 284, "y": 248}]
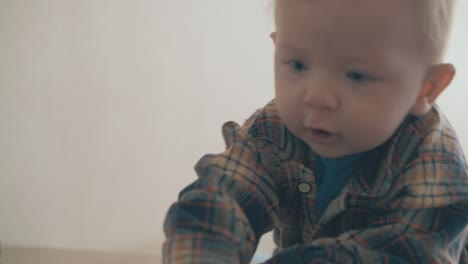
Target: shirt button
[{"x": 304, "y": 187}]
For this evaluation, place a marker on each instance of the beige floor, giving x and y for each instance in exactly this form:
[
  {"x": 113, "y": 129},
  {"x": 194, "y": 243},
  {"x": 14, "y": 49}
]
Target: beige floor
[
  {"x": 30, "y": 255},
  {"x": 27, "y": 255}
]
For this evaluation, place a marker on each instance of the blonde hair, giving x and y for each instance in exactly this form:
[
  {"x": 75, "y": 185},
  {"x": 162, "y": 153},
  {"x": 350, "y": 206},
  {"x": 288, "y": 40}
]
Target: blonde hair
[
  {"x": 436, "y": 23},
  {"x": 436, "y": 17}
]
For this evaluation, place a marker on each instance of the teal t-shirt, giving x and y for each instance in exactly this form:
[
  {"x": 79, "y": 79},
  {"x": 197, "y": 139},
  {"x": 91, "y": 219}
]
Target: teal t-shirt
[{"x": 333, "y": 175}]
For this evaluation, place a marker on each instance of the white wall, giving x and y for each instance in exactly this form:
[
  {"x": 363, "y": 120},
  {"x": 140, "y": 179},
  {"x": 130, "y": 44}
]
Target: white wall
[{"x": 105, "y": 106}]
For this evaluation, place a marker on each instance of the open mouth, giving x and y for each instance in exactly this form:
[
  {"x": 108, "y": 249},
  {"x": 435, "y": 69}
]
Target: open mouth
[
  {"x": 322, "y": 136},
  {"x": 321, "y": 132}
]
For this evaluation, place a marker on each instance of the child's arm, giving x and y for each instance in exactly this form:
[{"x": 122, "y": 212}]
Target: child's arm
[
  {"x": 220, "y": 217},
  {"x": 436, "y": 235}
]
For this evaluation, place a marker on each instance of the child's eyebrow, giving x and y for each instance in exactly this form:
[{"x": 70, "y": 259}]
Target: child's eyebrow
[
  {"x": 354, "y": 59},
  {"x": 380, "y": 58},
  {"x": 351, "y": 58},
  {"x": 288, "y": 47}
]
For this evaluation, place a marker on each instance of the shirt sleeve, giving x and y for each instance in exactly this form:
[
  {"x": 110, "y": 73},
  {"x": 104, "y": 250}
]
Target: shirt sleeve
[
  {"x": 435, "y": 235},
  {"x": 220, "y": 217}
]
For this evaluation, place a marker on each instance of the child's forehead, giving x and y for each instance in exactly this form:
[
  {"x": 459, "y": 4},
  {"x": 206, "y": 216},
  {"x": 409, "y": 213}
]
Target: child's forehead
[
  {"x": 355, "y": 25},
  {"x": 357, "y": 10},
  {"x": 363, "y": 12}
]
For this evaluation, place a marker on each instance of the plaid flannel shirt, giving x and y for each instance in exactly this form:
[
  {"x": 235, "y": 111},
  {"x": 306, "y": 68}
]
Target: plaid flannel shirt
[{"x": 408, "y": 202}]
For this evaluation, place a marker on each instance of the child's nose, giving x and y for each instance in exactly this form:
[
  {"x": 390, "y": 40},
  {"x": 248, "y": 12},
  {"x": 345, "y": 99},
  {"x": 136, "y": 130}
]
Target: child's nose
[{"x": 320, "y": 93}]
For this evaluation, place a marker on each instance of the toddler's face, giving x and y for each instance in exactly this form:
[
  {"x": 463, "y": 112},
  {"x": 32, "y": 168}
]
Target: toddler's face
[{"x": 347, "y": 72}]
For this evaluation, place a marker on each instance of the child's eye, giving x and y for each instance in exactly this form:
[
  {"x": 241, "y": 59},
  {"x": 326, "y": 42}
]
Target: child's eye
[
  {"x": 297, "y": 65},
  {"x": 357, "y": 76}
]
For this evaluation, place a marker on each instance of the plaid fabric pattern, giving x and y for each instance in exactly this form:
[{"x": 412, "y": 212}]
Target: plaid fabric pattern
[{"x": 408, "y": 202}]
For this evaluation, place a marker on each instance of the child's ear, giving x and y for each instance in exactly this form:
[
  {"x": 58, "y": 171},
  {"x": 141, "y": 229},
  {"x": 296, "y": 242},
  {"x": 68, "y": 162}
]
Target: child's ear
[
  {"x": 437, "y": 79},
  {"x": 273, "y": 36}
]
